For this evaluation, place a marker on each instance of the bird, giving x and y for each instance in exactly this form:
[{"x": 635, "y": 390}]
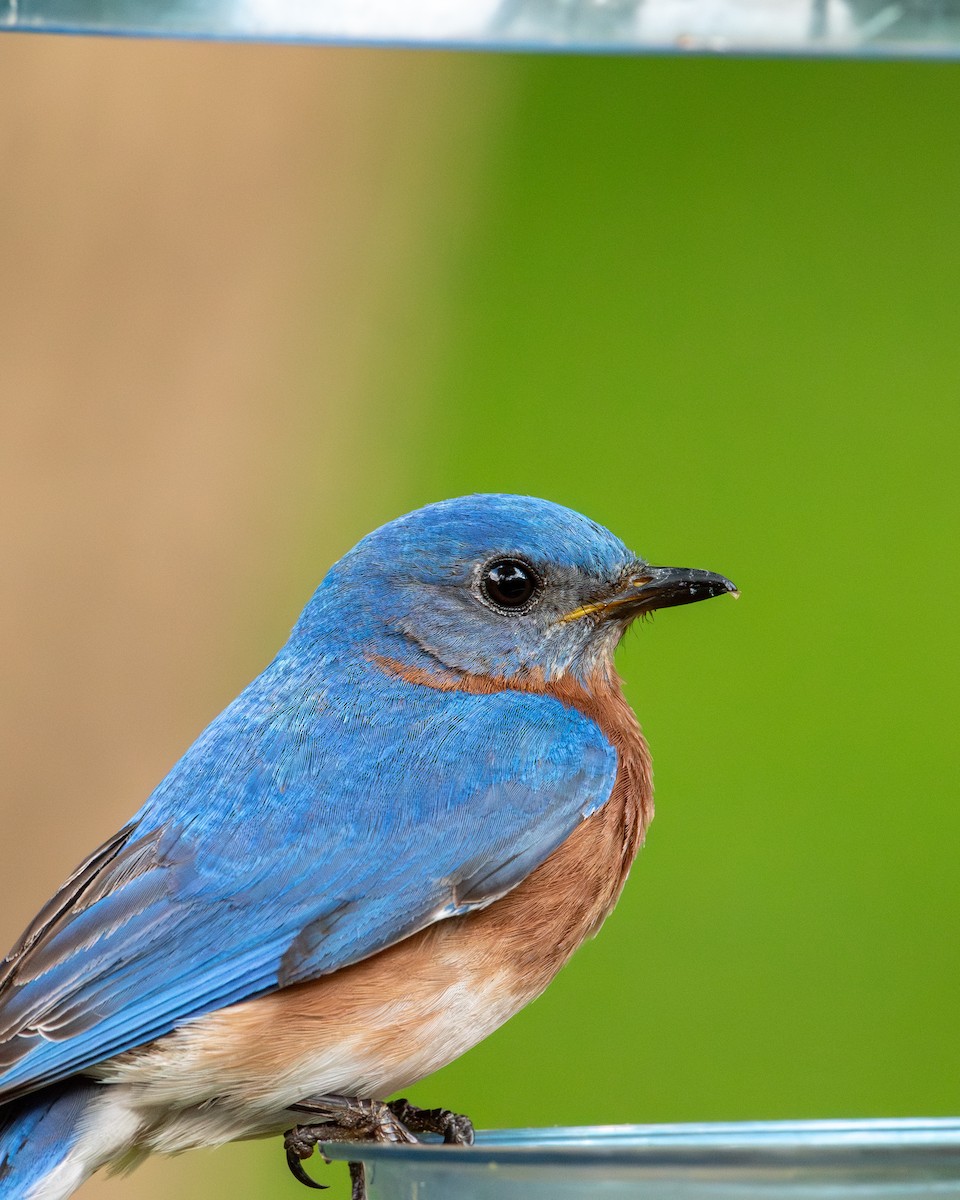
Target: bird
[{"x": 379, "y": 852}]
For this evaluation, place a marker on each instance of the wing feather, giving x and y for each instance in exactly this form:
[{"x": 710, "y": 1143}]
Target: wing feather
[{"x": 302, "y": 831}]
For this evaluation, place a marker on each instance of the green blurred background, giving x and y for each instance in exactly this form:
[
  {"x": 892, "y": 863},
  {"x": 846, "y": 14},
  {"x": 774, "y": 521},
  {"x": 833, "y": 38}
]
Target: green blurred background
[{"x": 257, "y": 300}]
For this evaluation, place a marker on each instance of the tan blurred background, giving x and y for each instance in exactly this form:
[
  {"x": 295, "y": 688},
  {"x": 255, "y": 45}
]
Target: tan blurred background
[{"x": 191, "y": 237}]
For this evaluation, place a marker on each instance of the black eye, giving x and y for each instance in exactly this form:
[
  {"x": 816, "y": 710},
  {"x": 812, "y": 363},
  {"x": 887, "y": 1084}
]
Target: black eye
[{"x": 509, "y": 583}]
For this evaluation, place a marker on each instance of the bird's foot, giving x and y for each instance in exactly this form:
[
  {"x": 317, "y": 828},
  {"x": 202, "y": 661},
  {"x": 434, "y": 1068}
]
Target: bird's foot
[
  {"x": 454, "y": 1128},
  {"x": 299, "y": 1143},
  {"x": 347, "y": 1119},
  {"x": 343, "y": 1119}
]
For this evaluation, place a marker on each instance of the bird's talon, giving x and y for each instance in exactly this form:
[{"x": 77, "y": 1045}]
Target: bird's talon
[
  {"x": 349, "y": 1119},
  {"x": 297, "y": 1171},
  {"x": 300, "y": 1143},
  {"x": 454, "y": 1128},
  {"x": 459, "y": 1131}
]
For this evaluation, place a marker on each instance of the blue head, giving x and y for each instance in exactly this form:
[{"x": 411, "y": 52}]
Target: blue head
[{"x": 494, "y": 585}]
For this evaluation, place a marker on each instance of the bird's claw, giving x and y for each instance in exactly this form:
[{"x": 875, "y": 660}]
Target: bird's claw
[
  {"x": 300, "y": 1143},
  {"x": 454, "y": 1128},
  {"x": 347, "y": 1119}
]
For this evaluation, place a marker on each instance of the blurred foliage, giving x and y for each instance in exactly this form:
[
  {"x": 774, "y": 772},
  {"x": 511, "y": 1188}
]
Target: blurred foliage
[{"x": 714, "y": 305}]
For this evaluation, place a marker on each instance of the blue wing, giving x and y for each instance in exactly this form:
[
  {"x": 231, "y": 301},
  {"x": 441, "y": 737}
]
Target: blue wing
[{"x": 307, "y": 828}]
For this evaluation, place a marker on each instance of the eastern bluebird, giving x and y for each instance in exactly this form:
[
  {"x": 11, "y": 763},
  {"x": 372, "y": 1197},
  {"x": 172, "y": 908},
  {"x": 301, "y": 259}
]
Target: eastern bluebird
[{"x": 387, "y": 844}]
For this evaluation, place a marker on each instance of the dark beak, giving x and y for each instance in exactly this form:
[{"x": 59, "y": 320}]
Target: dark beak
[
  {"x": 666, "y": 587},
  {"x": 649, "y": 588}
]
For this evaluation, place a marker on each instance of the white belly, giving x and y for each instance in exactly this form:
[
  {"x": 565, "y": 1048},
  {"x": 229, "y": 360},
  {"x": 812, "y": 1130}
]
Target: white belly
[{"x": 190, "y": 1089}]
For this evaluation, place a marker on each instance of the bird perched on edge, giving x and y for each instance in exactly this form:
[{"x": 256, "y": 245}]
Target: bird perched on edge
[{"x": 388, "y": 844}]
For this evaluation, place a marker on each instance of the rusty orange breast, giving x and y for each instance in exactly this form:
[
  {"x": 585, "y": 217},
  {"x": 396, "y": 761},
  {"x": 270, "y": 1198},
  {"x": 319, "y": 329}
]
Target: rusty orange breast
[{"x": 542, "y": 921}]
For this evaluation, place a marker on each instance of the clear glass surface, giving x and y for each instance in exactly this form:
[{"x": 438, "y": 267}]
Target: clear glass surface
[
  {"x": 847, "y": 27},
  {"x": 777, "y": 1160}
]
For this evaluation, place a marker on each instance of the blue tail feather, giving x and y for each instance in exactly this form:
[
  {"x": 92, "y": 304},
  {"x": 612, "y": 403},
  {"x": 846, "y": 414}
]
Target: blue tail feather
[{"x": 37, "y": 1131}]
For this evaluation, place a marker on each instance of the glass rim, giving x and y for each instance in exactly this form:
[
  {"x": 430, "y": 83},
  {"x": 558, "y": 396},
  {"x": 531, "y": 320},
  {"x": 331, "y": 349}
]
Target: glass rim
[
  {"x": 761, "y": 1144},
  {"x": 911, "y": 29}
]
